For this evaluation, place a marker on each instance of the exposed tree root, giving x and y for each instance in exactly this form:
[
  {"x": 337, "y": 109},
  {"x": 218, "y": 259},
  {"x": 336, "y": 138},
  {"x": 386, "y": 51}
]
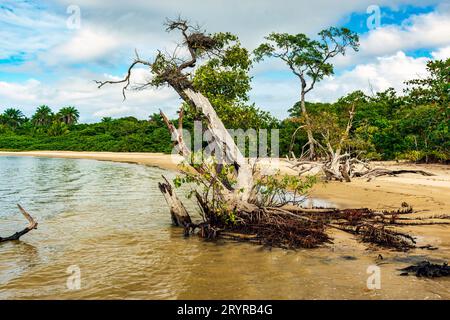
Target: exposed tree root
[
  {"x": 278, "y": 229},
  {"x": 292, "y": 227},
  {"x": 382, "y": 236},
  {"x": 378, "y": 172},
  {"x": 16, "y": 236}
]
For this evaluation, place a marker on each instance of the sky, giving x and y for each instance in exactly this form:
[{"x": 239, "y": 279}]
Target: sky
[{"x": 52, "y": 51}]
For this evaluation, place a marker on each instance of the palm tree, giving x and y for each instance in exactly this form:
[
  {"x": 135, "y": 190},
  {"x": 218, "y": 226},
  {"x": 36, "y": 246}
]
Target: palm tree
[
  {"x": 69, "y": 115},
  {"x": 57, "y": 129},
  {"x": 13, "y": 117},
  {"x": 43, "y": 116}
]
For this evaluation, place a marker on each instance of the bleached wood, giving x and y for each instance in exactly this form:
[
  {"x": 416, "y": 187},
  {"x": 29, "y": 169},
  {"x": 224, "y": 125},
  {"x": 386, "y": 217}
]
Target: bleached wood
[{"x": 232, "y": 154}]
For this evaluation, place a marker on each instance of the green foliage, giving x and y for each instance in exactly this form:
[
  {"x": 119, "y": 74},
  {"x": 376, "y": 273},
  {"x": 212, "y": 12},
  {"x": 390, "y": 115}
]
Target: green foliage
[
  {"x": 209, "y": 187},
  {"x": 43, "y": 116},
  {"x": 13, "y": 118},
  {"x": 386, "y": 126},
  {"x": 116, "y": 135},
  {"x": 224, "y": 79},
  {"x": 58, "y": 129},
  {"x": 68, "y": 115},
  {"x": 308, "y": 57},
  {"x": 276, "y": 190},
  {"x": 432, "y": 90}
]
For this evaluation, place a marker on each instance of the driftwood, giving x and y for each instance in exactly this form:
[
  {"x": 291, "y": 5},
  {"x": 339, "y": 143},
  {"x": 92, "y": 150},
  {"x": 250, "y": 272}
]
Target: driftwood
[
  {"x": 225, "y": 143},
  {"x": 377, "y": 172},
  {"x": 345, "y": 168},
  {"x": 16, "y": 236}
]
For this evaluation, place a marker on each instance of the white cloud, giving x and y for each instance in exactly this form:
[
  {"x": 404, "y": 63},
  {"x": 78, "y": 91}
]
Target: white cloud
[
  {"x": 441, "y": 53},
  {"x": 141, "y": 20},
  {"x": 93, "y": 103},
  {"x": 386, "y": 72},
  {"x": 18, "y": 91},
  {"x": 421, "y": 31},
  {"x": 26, "y": 28},
  {"x": 111, "y": 112},
  {"x": 87, "y": 45}
]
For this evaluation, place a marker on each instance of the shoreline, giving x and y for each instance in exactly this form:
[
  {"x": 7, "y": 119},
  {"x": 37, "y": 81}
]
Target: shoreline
[
  {"x": 425, "y": 194},
  {"x": 160, "y": 160}
]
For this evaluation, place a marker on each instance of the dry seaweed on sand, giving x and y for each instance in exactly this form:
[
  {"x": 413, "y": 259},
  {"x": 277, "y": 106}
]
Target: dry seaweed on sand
[{"x": 427, "y": 269}]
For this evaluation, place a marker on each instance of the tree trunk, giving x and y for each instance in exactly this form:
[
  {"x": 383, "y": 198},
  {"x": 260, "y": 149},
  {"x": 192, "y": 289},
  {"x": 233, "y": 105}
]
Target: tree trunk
[
  {"x": 230, "y": 152},
  {"x": 179, "y": 214},
  {"x": 311, "y": 141}
]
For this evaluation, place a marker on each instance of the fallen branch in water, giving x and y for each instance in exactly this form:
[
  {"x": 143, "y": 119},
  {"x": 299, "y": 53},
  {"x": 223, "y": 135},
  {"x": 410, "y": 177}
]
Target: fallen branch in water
[
  {"x": 382, "y": 236},
  {"x": 16, "y": 236}
]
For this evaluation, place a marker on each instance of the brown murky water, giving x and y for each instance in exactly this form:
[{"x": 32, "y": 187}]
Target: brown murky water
[{"x": 110, "y": 221}]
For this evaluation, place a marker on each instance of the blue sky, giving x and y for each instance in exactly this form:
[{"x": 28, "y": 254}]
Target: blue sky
[{"x": 45, "y": 60}]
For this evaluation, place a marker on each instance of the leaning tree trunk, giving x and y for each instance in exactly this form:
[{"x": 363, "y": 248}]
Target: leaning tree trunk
[
  {"x": 223, "y": 139},
  {"x": 237, "y": 198}
]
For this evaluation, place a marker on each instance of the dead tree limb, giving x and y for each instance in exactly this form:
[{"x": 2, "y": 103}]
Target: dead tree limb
[
  {"x": 179, "y": 214},
  {"x": 177, "y": 134},
  {"x": 33, "y": 225},
  {"x": 378, "y": 172}
]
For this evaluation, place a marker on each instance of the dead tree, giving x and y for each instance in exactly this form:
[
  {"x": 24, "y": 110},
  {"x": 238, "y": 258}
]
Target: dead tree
[
  {"x": 338, "y": 164},
  {"x": 334, "y": 163},
  {"x": 16, "y": 236},
  {"x": 228, "y": 197}
]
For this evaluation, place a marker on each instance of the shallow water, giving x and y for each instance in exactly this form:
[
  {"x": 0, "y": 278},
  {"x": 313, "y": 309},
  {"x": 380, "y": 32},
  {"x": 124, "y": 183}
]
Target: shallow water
[{"x": 110, "y": 221}]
